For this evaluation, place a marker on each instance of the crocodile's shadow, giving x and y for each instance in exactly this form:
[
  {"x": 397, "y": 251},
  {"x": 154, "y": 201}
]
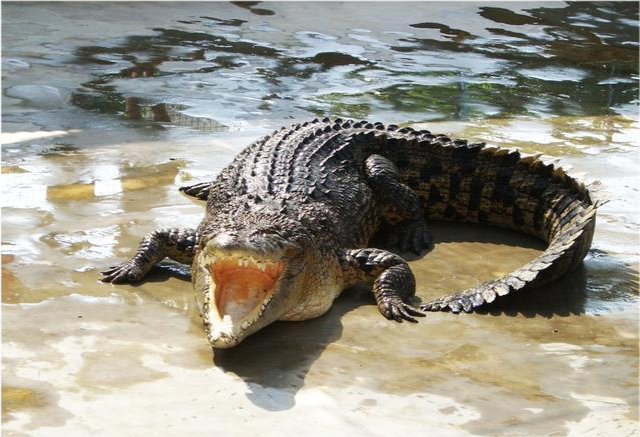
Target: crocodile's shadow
[{"x": 274, "y": 362}]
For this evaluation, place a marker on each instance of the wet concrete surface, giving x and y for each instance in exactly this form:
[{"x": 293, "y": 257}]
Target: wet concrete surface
[{"x": 85, "y": 358}]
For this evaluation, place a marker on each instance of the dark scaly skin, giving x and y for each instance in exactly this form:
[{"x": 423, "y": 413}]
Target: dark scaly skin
[{"x": 326, "y": 186}]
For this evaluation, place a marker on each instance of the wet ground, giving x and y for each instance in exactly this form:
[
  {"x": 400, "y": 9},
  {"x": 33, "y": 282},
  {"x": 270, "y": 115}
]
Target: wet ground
[{"x": 108, "y": 108}]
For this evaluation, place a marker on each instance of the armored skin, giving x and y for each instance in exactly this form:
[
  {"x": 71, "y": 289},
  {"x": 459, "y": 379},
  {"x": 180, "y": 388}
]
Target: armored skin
[{"x": 288, "y": 222}]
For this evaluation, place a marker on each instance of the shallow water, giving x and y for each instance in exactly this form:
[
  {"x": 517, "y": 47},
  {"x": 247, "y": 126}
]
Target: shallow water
[{"x": 108, "y": 108}]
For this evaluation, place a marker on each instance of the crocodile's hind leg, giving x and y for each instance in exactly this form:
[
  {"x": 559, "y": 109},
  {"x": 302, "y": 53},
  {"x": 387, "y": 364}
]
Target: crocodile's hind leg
[
  {"x": 174, "y": 243},
  {"x": 393, "y": 283},
  {"x": 400, "y": 205},
  {"x": 199, "y": 191}
]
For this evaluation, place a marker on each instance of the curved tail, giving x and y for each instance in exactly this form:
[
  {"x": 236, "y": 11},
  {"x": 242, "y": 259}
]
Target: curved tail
[
  {"x": 474, "y": 183},
  {"x": 569, "y": 244}
]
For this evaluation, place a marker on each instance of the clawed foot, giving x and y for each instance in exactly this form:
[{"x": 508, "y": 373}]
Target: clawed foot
[
  {"x": 411, "y": 235},
  {"x": 128, "y": 271},
  {"x": 395, "y": 309}
]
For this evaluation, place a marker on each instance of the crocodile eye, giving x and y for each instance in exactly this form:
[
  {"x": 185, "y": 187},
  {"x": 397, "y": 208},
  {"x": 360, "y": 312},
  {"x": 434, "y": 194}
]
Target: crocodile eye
[{"x": 291, "y": 249}]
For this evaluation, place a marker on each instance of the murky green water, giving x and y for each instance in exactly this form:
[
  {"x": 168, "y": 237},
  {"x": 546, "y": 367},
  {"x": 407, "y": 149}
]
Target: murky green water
[{"x": 108, "y": 107}]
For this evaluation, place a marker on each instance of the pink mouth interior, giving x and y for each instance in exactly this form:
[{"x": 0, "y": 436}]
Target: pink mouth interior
[{"x": 241, "y": 289}]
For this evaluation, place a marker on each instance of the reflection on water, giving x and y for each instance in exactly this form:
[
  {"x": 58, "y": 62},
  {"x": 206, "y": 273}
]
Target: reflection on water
[
  {"x": 251, "y": 7},
  {"x": 21, "y": 191},
  {"x": 557, "y": 136},
  {"x": 109, "y": 107},
  {"x": 132, "y": 108},
  {"x": 575, "y": 59}
]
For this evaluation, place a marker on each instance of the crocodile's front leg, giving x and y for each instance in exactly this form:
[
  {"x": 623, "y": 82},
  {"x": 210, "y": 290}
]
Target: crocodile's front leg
[
  {"x": 393, "y": 281},
  {"x": 174, "y": 243}
]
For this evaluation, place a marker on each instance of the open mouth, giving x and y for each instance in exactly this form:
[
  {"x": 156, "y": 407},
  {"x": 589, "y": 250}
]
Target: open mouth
[{"x": 240, "y": 289}]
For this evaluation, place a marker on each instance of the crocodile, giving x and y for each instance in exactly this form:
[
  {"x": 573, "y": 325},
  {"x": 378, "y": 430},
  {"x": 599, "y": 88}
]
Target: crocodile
[{"x": 288, "y": 223}]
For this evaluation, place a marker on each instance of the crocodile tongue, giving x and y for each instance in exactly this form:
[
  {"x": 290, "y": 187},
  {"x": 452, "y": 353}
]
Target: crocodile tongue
[
  {"x": 242, "y": 287},
  {"x": 240, "y": 290}
]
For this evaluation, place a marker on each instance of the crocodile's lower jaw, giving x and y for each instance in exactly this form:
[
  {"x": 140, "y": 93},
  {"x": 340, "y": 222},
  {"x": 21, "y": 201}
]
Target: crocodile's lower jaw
[{"x": 240, "y": 290}]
